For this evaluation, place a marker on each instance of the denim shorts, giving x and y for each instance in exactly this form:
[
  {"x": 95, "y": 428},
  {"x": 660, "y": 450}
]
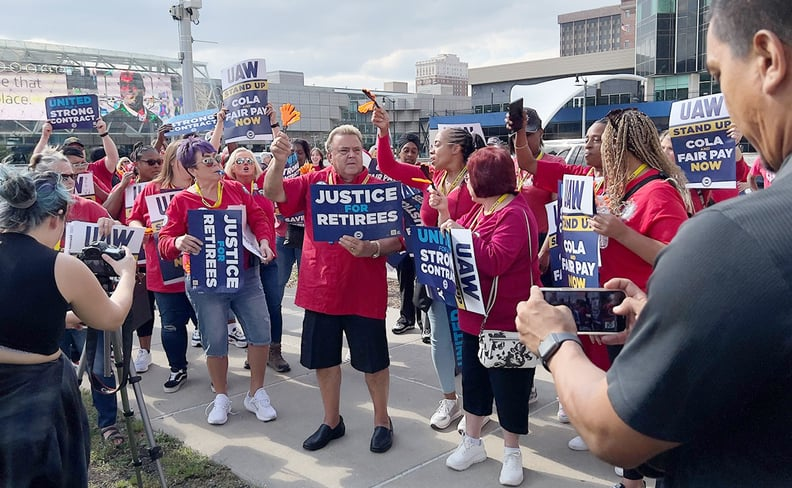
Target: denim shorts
[
  {"x": 249, "y": 306},
  {"x": 322, "y": 339}
]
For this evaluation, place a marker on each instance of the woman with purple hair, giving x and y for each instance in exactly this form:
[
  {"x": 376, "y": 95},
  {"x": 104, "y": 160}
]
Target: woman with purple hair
[{"x": 212, "y": 191}]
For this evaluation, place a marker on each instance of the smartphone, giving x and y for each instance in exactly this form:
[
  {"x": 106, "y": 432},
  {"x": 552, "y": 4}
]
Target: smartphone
[
  {"x": 516, "y": 113},
  {"x": 591, "y": 307}
]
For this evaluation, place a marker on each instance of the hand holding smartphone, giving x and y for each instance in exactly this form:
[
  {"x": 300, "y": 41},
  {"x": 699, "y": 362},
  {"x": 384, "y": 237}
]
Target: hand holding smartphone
[
  {"x": 516, "y": 115},
  {"x": 592, "y": 308}
]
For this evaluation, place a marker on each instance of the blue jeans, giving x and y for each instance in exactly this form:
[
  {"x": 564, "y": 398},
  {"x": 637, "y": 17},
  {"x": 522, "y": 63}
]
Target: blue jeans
[
  {"x": 105, "y": 405},
  {"x": 274, "y": 296},
  {"x": 72, "y": 343},
  {"x": 286, "y": 258},
  {"x": 175, "y": 310},
  {"x": 212, "y": 312},
  {"x": 443, "y": 354}
]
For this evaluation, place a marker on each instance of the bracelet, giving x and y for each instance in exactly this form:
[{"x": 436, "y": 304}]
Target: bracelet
[
  {"x": 516, "y": 147},
  {"x": 273, "y": 125},
  {"x": 104, "y": 134},
  {"x": 377, "y": 253}
]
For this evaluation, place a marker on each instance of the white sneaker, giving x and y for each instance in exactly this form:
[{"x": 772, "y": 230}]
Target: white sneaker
[
  {"x": 512, "y": 471},
  {"x": 578, "y": 444},
  {"x": 142, "y": 361},
  {"x": 562, "y": 416},
  {"x": 469, "y": 452},
  {"x": 461, "y": 427},
  {"x": 260, "y": 405},
  {"x": 195, "y": 340},
  {"x": 237, "y": 337},
  {"x": 534, "y": 396},
  {"x": 221, "y": 407},
  {"x": 447, "y": 411}
]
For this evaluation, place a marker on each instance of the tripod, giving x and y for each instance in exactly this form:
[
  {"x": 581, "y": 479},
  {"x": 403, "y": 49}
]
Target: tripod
[{"x": 120, "y": 342}]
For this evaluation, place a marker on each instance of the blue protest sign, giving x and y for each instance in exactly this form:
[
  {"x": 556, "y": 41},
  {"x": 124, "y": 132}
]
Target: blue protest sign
[
  {"x": 72, "y": 111},
  {"x": 217, "y": 268},
  {"x": 702, "y": 147},
  {"x": 245, "y": 96},
  {"x": 194, "y": 122},
  {"x": 554, "y": 237},
  {"x": 579, "y": 252},
  {"x": 362, "y": 211},
  {"x": 434, "y": 264}
]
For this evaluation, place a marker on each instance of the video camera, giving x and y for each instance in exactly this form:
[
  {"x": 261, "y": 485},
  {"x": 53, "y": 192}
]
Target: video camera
[{"x": 91, "y": 255}]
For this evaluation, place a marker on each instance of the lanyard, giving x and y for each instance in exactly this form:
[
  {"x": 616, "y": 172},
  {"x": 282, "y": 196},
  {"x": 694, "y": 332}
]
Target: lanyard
[
  {"x": 481, "y": 212},
  {"x": 206, "y": 203},
  {"x": 640, "y": 169},
  {"x": 597, "y": 184},
  {"x": 454, "y": 183}
]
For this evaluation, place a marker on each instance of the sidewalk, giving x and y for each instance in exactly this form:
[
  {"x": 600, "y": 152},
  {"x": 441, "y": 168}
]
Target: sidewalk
[{"x": 271, "y": 454}]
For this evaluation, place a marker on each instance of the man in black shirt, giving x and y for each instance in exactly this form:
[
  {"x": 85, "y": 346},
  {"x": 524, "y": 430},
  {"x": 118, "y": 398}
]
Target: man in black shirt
[{"x": 703, "y": 388}]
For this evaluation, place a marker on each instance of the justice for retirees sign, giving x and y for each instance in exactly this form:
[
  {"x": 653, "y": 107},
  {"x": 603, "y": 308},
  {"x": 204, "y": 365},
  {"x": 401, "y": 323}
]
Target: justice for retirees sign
[
  {"x": 702, "y": 147},
  {"x": 245, "y": 95},
  {"x": 217, "y": 268},
  {"x": 72, "y": 112},
  {"x": 362, "y": 211}
]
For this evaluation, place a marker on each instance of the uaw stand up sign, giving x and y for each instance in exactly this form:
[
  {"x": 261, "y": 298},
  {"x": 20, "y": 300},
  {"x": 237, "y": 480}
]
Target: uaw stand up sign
[{"x": 702, "y": 147}]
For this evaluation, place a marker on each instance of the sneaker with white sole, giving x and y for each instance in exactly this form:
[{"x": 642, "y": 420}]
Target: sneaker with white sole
[
  {"x": 469, "y": 452},
  {"x": 512, "y": 471},
  {"x": 220, "y": 408},
  {"x": 142, "y": 361},
  {"x": 619, "y": 471},
  {"x": 175, "y": 380},
  {"x": 236, "y": 337},
  {"x": 562, "y": 416},
  {"x": 534, "y": 397},
  {"x": 195, "y": 340},
  {"x": 578, "y": 444},
  {"x": 447, "y": 411},
  {"x": 260, "y": 404},
  {"x": 461, "y": 427}
]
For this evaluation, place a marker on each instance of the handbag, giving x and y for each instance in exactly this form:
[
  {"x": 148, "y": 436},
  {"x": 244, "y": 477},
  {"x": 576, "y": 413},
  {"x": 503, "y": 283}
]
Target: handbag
[
  {"x": 294, "y": 236},
  {"x": 502, "y": 348}
]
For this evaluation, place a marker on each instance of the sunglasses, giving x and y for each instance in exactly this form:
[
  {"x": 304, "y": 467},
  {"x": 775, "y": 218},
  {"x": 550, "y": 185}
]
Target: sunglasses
[
  {"x": 210, "y": 160},
  {"x": 244, "y": 161},
  {"x": 152, "y": 162}
]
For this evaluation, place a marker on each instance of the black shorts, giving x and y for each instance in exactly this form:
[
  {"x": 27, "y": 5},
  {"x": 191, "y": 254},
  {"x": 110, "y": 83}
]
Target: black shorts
[
  {"x": 322, "y": 341},
  {"x": 509, "y": 387}
]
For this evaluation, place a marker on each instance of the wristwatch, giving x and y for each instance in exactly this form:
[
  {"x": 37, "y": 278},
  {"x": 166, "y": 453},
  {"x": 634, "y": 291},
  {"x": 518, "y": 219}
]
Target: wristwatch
[{"x": 550, "y": 344}]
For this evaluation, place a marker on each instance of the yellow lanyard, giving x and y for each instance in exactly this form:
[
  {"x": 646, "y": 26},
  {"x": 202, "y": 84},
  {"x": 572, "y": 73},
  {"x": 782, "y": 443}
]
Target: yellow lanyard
[
  {"x": 597, "y": 184},
  {"x": 203, "y": 200},
  {"x": 640, "y": 169},
  {"x": 454, "y": 183},
  {"x": 492, "y": 209},
  {"x": 331, "y": 179}
]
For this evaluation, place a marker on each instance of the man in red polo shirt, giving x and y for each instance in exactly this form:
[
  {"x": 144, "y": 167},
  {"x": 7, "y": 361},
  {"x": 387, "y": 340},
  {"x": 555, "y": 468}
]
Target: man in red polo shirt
[{"x": 342, "y": 287}]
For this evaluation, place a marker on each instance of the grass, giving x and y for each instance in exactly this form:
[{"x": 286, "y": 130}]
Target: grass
[{"x": 112, "y": 467}]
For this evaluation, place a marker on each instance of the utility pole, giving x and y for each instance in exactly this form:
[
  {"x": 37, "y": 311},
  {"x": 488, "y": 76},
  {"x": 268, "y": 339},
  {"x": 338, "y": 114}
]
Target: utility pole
[{"x": 186, "y": 12}]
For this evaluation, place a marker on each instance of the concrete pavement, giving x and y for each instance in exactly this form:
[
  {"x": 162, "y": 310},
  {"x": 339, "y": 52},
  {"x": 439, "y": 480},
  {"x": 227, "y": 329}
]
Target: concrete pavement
[{"x": 271, "y": 454}]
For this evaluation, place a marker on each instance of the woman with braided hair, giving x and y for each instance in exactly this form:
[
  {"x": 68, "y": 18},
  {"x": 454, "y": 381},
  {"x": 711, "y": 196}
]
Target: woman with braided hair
[{"x": 640, "y": 210}]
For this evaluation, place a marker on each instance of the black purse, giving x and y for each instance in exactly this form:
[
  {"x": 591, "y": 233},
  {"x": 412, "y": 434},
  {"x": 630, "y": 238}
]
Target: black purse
[{"x": 294, "y": 236}]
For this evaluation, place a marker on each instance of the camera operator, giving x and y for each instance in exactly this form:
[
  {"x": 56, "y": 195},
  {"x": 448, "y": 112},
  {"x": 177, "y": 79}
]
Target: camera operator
[
  {"x": 84, "y": 210},
  {"x": 43, "y": 426}
]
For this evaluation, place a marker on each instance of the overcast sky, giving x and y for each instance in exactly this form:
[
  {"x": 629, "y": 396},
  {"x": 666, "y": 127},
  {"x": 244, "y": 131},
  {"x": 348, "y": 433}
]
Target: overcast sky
[{"x": 347, "y": 43}]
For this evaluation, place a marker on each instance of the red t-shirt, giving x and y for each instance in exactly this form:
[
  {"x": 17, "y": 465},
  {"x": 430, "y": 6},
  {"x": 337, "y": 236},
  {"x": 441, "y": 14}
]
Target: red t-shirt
[
  {"x": 233, "y": 194},
  {"x": 537, "y": 197},
  {"x": 140, "y": 213},
  {"x": 333, "y": 281},
  {"x": 704, "y": 198},
  {"x": 101, "y": 177},
  {"x": 758, "y": 169},
  {"x": 501, "y": 248},
  {"x": 550, "y": 173},
  {"x": 84, "y": 210},
  {"x": 459, "y": 201},
  {"x": 656, "y": 210}
]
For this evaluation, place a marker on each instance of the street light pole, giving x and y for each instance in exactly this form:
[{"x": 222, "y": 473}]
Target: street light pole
[
  {"x": 582, "y": 80},
  {"x": 186, "y": 12}
]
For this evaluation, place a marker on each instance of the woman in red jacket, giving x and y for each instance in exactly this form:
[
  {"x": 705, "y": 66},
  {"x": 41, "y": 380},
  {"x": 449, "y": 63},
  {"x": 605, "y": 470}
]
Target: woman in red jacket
[{"x": 212, "y": 191}]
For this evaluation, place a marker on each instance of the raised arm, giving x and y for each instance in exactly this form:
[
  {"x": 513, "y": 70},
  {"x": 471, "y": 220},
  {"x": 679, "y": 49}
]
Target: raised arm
[
  {"x": 46, "y": 132},
  {"x": 273, "y": 180},
  {"x": 525, "y": 157},
  {"x": 111, "y": 151},
  {"x": 386, "y": 162},
  {"x": 217, "y": 133}
]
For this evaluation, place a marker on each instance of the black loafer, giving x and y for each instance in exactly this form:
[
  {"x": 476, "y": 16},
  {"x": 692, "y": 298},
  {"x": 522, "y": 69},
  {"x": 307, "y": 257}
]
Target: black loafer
[
  {"x": 382, "y": 439},
  {"x": 323, "y": 435}
]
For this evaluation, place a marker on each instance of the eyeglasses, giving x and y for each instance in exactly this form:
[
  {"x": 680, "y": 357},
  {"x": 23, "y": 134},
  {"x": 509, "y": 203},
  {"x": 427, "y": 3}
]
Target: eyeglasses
[
  {"x": 80, "y": 163},
  {"x": 152, "y": 162},
  {"x": 244, "y": 161},
  {"x": 210, "y": 160}
]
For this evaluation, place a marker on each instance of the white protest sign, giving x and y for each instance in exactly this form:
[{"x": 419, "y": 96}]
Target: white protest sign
[
  {"x": 469, "y": 293},
  {"x": 81, "y": 234},
  {"x": 578, "y": 196}
]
